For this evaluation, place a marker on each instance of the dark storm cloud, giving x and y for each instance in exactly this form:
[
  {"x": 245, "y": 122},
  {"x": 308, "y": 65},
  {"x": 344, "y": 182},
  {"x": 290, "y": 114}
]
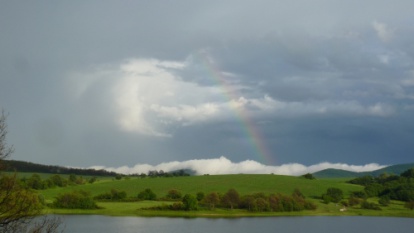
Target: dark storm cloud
[{"x": 104, "y": 82}]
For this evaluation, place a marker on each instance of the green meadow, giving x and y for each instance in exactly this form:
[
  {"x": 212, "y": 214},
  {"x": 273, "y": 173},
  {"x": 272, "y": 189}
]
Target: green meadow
[{"x": 244, "y": 184}]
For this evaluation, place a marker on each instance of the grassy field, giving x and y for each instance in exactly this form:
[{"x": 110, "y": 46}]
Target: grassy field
[{"x": 244, "y": 184}]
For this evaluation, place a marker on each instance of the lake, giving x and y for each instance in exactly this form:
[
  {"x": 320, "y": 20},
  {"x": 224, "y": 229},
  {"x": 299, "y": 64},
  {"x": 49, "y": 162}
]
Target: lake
[{"x": 319, "y": 224}]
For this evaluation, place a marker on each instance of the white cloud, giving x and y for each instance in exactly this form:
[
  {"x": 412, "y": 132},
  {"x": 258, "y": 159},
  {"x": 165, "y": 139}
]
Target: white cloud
[{"x": 223, "y": 165}]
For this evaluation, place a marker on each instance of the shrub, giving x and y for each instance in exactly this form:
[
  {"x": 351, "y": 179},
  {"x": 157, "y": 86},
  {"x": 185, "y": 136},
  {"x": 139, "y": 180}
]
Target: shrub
[
  {"x": 190, "y": 202},
  {"x": 147, "y": 194},
  {"x": 369, "y": 206},
  {"x": 384, "y": 200},
  {"x": 200, "y": 196},
  {"x": 333, "y": 194},
  {"x": 409, "y": 205},
  {"x": 174, "y": 194},
  {"x": 75, "y": 200},
  {"x": 352, "y": 201},
  {"x": 113, "y": 195},
  {"x": 308, "y": 176}
]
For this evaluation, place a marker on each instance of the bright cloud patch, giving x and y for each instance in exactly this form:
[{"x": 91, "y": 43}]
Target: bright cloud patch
[{"x": 223, "y": 165}]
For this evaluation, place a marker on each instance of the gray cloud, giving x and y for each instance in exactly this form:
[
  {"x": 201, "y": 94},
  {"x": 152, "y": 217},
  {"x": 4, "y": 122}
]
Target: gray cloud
[{"x": 129, "y": 83}]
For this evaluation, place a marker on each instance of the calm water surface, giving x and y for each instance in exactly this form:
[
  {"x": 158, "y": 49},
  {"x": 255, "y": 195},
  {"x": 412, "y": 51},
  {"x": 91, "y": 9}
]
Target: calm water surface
[{"x": 103, "y": 224}]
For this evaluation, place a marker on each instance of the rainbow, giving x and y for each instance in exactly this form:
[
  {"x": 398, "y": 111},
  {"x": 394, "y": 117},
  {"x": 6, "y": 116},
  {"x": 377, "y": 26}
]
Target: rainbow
[{"x": 249, "y": 128}]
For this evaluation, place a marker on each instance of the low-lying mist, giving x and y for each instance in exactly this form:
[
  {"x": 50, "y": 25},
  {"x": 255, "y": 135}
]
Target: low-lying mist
[{"x": 223, "y": 165}]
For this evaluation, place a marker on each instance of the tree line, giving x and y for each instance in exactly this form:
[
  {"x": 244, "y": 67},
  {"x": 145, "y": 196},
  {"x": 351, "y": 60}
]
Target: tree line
[
  {"x": 258, "y": 202},
  {"x": 387, "y": 187}
]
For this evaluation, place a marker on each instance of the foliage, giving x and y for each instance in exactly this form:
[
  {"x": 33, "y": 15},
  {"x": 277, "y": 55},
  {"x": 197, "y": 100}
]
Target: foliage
[
  {"x": 200, "y": 196},
  {"x": 363, "y": 180},
  {"x": 359, "y": 194},
  {"x": 389, "y": 187},
  {"x": 212, "y": 199},
  {"x": 409, "y": 205},
  {"x": 147, "y": 194},
  {"x": 161, "y": 173},
  {"x": 408, "y": 174},
  {"x": 231, "y": 199},
  {"x": 75, "y": 200},
  {"x": 369, "y": 206},
  {"x": 353, "y": 201},
  {"x": 174, "y": 194},
  {"x": 190, "y": 202},
  {"x": 309, "y": 176},
  {"x": 384, "y": 200},
  {"x": 17, "y": 204},
  {"x": 113, "y": 195},
  {"x": 333, "y": 195}
]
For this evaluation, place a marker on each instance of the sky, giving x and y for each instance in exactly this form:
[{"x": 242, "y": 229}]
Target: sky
[{"x": 262, "y": 85}]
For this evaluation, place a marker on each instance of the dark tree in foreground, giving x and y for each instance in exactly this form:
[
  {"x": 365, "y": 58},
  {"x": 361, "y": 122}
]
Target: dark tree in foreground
[{"x": 19, "y": 205}]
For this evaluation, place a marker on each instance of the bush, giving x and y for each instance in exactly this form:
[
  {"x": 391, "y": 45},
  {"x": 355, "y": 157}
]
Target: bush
[
  {"x": 384, "y": 200},
  {"x": 200, "y": 196},
  {"x": 147, "y": 194},
  {"x": 114, "y": 195},
  {"x": 308, "y": 176},
  {"x": 369, "y": 206},
  {"x": 75, "y": 200},
  {"x": 333, "y": 194},
  {"x": 190, "y": 202},
  {"x": 352, "y": 201},
  {"x": 174, "y": 194}
]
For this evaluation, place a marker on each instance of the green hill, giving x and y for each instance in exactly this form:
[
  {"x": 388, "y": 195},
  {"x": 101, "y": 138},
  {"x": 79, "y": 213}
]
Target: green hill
[
  {"x": 338, "y": 173},
  {"x": 244, "y": 184}
]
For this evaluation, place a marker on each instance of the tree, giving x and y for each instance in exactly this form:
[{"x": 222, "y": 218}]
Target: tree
[
  {"x": 18, "y": 205},
  {"x": 333, "y": 194},
  {"x": 75, "y": 200},
  {"x": 147, "y": 194},
  {"x": 174, "y": 194},
  {"x": 190, "y": 202},
  {"x": 408, "y": 173},
  {"x": 212, "y": 199},
  {"x": 308, "y": 176},
  {"x": 200, "y": 196},
  {"x": 5, "y": 149},
  {"x": 231, "y": 198}
]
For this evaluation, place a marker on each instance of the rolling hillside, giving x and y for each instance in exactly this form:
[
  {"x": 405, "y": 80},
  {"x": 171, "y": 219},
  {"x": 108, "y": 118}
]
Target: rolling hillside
[{"x": 338, "y": 173}]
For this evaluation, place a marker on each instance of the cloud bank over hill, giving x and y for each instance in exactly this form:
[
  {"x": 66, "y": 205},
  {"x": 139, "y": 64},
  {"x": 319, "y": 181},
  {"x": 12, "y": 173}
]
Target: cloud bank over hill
[{"x": 223, "y": 165}]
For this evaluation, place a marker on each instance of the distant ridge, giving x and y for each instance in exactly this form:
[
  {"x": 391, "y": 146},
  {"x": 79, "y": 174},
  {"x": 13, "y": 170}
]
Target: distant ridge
[
  {"x": 22, "y": 166},
  {"x": 338, "y": 173}
]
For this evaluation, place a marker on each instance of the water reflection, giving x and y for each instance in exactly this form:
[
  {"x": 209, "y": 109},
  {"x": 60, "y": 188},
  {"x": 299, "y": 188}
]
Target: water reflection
[{"x": 321, "y": 224}]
